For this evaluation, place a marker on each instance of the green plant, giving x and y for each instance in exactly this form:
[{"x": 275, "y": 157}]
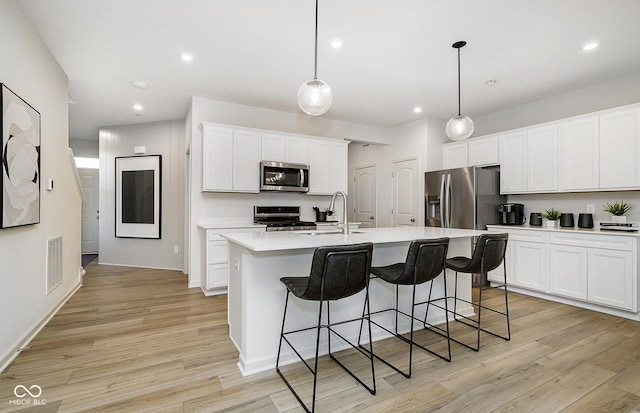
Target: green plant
[
  {"x": 551, "y": 214},
  {"x": 618, "y": 208}
]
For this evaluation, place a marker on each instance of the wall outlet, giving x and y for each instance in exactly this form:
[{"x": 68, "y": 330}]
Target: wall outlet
[
  {"x": 175, "y": 249},
  {"x": 591, "y": 208}
]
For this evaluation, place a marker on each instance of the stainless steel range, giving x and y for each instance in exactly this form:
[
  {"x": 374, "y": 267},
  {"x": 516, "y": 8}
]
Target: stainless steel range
[{"x": 281, "y": 218}]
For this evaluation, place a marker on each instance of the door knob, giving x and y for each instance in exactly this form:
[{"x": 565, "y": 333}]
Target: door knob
[
  {"x": 371, "y": 217},
  {"x": 413, "y": 220}
]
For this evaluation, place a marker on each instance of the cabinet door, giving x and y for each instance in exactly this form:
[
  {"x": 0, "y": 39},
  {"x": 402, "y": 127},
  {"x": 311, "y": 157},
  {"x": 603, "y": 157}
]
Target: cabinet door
[
  {"x": 610, "y": 278},
  {"x": 542, "y": 159},
  {"x": 513, "y": 163},
  {"x": 530, "y": 269},
  {"x": 579, "y": 154},
  {"x": 217, "y": 276},
  {"x": 483, "y": 151},
  {"x": 217, "y": 252},
  {"x": 568, "y": 271},
  {"x": 217, "y": 159},
  {"x": 319, "y": 170},
  {"x": 455, "y": 155},
  {"x": 497, "y": 275},
  {"x": 620, "y": 149},
  {"x": 296, "y": 150},
  {"x": 246, "y": 161},
  {"x": 338, "y": 167},
  {"x": 272, "y": 147}
]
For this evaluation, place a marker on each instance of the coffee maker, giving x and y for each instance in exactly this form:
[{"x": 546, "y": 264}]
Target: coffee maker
[{"x": 511, "y": 214}]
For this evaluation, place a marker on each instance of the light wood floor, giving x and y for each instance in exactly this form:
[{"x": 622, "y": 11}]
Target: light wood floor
[{"x": 140, "y": 341}]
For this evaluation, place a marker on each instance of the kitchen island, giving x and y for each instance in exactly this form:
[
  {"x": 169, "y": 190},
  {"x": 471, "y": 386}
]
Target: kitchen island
[{"x": 256, "y": 296}]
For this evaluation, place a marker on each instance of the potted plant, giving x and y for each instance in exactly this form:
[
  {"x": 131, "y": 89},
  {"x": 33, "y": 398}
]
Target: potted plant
[
  {"x": 617, "y": 210},
  {"x": 552, "y": 215}
]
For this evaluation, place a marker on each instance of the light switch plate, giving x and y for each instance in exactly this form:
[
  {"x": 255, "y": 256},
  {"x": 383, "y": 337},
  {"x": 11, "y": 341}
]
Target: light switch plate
[{"x": 591, "y": 208}]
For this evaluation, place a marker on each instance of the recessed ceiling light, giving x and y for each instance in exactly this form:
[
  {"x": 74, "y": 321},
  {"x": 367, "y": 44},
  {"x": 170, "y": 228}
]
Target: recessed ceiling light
[
  {"x": 491, "y": 82},
  {"x": 186, "y": 57},
  {"x": 337, "y": 43},
  {"x": 417, "y": 109},
  {"x": 138, "y": 107},
  {"x": 139, "y": 84},
  {"x": 590, "y": 46}
]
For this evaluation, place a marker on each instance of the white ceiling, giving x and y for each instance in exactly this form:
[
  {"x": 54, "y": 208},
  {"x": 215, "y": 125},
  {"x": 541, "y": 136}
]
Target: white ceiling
[{"x": 397, "y": 54}]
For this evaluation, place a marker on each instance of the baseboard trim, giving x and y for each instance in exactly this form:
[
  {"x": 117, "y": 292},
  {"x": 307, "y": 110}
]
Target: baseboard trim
[{"x": 24, "y": 341}]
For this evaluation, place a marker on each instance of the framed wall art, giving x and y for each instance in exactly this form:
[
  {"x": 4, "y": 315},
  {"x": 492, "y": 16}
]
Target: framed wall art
[
  {"x": 138, "y": 196},
  {"x": 20, "y": 181}
]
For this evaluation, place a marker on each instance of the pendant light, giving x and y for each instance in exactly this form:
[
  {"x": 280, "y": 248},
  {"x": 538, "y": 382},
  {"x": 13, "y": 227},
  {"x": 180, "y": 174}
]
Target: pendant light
[
  {"x": 459, "y": 127},
  {"x": 315, "y": 96}
]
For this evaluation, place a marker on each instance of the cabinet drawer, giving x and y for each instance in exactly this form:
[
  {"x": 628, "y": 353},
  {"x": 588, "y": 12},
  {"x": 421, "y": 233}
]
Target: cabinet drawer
[
  {"x": 523, "y": 235},
  {"x": 610, "y": 242},
  {"x": 214, "y": 234},
  {"x": 216, "y": 252}
]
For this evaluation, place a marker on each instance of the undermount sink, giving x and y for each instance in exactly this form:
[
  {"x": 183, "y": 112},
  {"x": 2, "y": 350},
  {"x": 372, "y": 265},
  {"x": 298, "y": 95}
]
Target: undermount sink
[{"x": 328, "y": 232}]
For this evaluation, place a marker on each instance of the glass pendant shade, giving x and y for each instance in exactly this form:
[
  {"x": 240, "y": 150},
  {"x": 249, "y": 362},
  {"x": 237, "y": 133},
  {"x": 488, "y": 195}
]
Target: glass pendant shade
[
  {"x": 315, "y": 97},
  {"x": 459, "y": 128}
]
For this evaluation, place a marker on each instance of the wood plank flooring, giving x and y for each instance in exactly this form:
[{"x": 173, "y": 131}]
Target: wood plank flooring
[{"x": 139, "y": 340}]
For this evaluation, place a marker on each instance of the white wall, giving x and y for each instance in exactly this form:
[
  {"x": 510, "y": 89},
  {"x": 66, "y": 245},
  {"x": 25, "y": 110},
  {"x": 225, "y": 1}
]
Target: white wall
[
  {"x": 234, "y": 207},
  {"x": 84, "y": 148},
  {"x": 160, "y": 138},
  {"x": 421, "y": 139},
  {"x": 620, "y": 92},
  {"x": 31, "y": 71}
]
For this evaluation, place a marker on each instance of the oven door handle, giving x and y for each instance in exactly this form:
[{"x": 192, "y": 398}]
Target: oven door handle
[{"x": 301, "y": 178}]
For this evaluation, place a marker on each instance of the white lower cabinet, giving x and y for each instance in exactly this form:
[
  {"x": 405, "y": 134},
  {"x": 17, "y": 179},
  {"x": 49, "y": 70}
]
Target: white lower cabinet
[
  {"x": 610, "y": 278},
  {"x": 593, "y": 268},
  {"x": 568, "y": 271},
  {"x": 529, "y": 265},
  {"x": 215, "y": 277}
]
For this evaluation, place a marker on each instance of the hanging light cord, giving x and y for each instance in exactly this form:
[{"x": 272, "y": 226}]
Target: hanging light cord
[
  {"x": 458, "y": 80},
  {"x": 315, "y": 57}
]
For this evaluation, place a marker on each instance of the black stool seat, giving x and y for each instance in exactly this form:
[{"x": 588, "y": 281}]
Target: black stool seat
[
  {"x": 458, "y": 263},
  {"x": 425, "y": 261},
  {"x": 337, "y": 272}
]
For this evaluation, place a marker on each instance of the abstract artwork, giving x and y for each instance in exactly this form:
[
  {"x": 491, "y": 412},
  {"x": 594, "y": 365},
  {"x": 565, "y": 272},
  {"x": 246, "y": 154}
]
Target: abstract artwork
[
  {"x": 138, "y": 196},
  {"x": 20, "y": 183}
]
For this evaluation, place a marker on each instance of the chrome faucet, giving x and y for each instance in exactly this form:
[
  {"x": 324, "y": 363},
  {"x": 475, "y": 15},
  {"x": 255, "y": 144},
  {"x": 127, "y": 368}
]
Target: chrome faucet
[{"x": 344, "y": 225}]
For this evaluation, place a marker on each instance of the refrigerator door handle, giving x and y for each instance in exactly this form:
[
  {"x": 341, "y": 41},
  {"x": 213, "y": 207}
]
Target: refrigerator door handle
[
  {"x": 443, "y": 203},
  {"x": 448, "y": 196}
]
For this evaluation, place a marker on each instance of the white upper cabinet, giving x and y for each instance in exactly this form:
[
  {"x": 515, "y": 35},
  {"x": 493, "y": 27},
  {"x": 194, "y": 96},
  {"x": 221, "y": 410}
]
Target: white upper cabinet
[
  {"x": 296, "y": 150},
  {"x": 272, "y": 147},
  {"x": 231, "y": 159},
  {"x": 513, "y": 162},
  {"x": 455, "y": 155},
  {"x": 217, "y": 160},
  {"x": 620, "y": 149},
  {"x": 483, "y": 151},
  {"x": 327, "y": 167},
  {"x": 246, "y": 161},
  {"x": 579, "y": 154},
  {"x": 542, "y": 159}
]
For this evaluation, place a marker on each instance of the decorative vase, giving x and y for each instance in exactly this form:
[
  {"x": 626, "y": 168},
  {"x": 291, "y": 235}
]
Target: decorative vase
[
  {"x": 552, "y": 223},
  {"x": 620, "y": 219}
]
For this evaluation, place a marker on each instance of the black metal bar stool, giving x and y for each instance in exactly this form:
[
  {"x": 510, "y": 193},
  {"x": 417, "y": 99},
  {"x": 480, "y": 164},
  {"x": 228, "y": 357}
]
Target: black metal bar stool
[
  {"x": 337, "y": 272},
  {"x": 487, "y": 255},
  {"x": 425, "y": 261}
]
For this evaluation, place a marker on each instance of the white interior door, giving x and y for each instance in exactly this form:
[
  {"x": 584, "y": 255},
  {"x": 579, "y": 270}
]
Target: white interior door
[
  {"x": 365, "y": 196},
  {"x": 404, "y": 206},
  {"x": 90, "y": 213}
]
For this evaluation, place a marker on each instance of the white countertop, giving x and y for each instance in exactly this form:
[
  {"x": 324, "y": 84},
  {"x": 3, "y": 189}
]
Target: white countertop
[
  {"x": 291, "y": 240},
  {"x": 575, "y": 230}
]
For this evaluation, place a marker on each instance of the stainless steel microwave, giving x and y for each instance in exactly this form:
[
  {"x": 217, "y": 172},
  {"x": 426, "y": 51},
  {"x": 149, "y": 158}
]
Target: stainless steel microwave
[{"x": 280, "y": 176}]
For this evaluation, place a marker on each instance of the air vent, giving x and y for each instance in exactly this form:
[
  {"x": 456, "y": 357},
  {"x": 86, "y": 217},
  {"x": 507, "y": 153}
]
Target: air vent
[{"x": 54, "y": 263}]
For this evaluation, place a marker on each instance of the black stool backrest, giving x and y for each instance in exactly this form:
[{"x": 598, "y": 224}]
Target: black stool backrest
[
  {"x": 489, "y": 253},
  {"x": 339, "y": 271},
  {"x": 426, "y": 258}
]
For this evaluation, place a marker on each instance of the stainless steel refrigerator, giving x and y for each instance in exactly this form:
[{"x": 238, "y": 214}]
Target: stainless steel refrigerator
[{"x": 463, "y": 198}]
